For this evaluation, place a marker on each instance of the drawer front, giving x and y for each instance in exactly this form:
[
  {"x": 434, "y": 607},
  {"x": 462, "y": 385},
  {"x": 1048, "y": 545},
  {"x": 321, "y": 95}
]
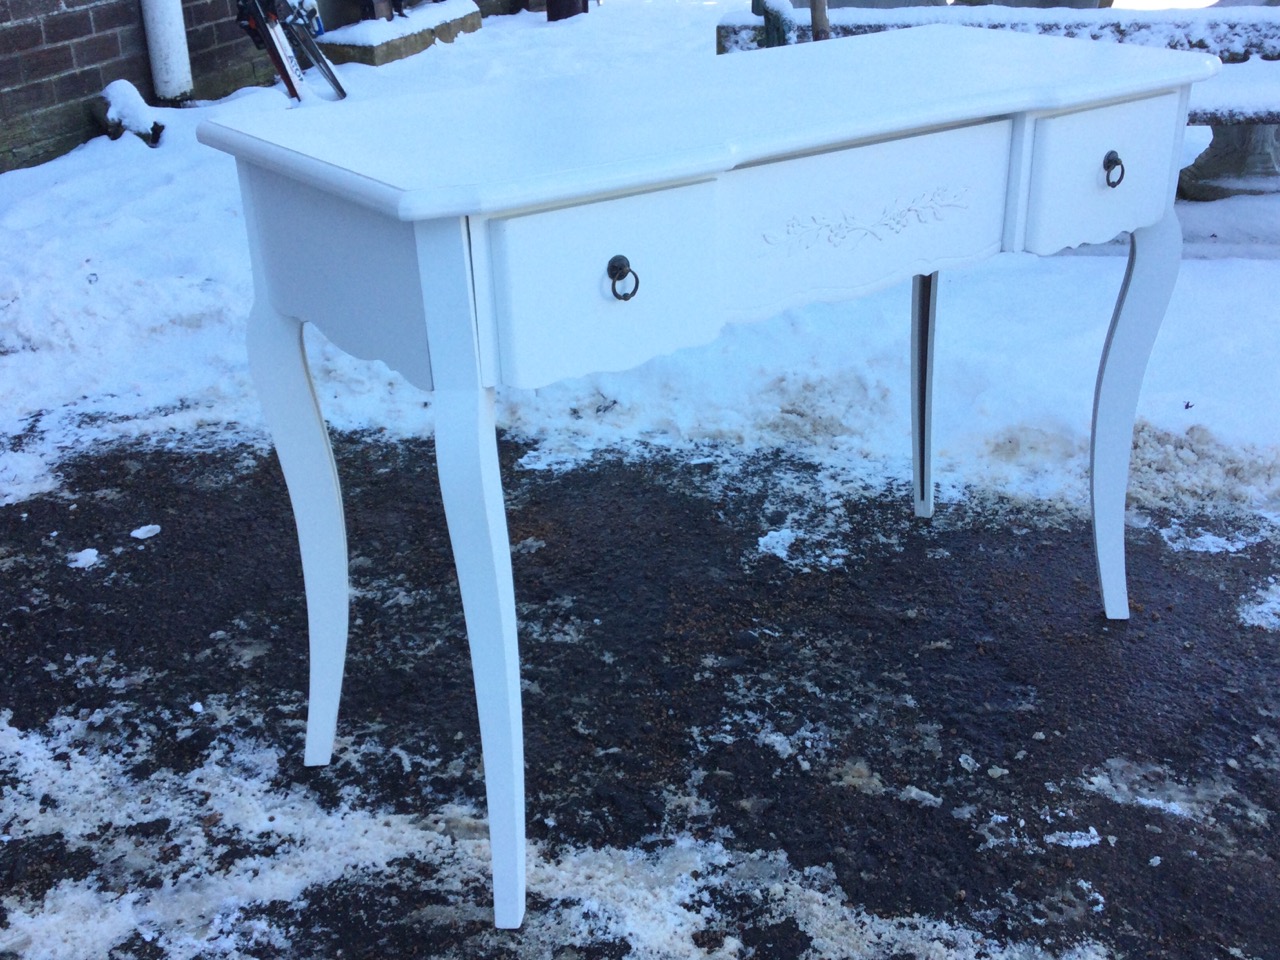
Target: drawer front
[
  {"x": 555, "y": 310},
  {"x": 832, "y": 225},
  {"x": 1069, "y": 200}
]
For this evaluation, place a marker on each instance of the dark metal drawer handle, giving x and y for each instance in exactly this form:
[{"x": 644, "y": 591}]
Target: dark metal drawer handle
[
  {"x": 1112, "y": 163},
  {"x": 619, "y": 269}
]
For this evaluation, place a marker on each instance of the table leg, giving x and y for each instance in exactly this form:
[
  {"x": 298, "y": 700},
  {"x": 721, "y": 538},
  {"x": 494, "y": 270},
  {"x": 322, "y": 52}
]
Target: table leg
[
  {"x": 924, "y": 310},
  {"x": 278, "y": 364},
  {"x": 1154, "y": 256},
  {"x": 471, "y": 486}
]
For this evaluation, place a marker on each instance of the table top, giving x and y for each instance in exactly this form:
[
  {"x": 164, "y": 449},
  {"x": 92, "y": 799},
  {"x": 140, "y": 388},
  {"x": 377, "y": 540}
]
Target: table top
[{"x": 525, "y": 142}]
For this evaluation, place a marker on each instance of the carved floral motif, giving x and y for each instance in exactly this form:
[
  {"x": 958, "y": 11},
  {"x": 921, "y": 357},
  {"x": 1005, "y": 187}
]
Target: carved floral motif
[{"x": 806, "y": 232}]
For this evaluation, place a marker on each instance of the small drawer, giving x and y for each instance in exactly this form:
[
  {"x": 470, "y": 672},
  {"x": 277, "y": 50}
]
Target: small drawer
[
  {"x": 833, "y": 225},
  {"x": 556, "y": 311},
  {"x": 1070, "y": 200}
]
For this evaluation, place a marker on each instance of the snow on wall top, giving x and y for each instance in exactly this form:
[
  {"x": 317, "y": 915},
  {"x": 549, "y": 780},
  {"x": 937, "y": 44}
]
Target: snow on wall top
[{"x": 1234, "y": 34}]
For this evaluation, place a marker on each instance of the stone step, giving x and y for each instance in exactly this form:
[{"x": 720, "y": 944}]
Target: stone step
[{"x": 376, "y": 42}]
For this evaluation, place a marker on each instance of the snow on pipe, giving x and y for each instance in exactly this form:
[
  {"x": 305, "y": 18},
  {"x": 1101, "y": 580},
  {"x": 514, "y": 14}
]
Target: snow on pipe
[{"x": 167, "y": 47}]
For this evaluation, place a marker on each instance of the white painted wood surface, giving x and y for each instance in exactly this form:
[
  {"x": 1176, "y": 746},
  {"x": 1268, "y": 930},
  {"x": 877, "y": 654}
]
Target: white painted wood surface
[
  {"x": 1069, "y": 201},
  {"x": 563, "y": 140},
  {"x": 943, "y": 146},
  {"x": 553, "y": 304},
  {"x": 1154, "y": 253},
  {"x": 842, "y": 223}
]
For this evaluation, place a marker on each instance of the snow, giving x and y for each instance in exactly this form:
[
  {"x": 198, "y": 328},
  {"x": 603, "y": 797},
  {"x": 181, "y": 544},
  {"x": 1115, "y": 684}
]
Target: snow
[
  {"x": 126, "y": 105},
  {"x": 1249, "y": 88},
  {"x": 124, "y": 288},
  {"x": 426, "y": 16},
  {"x": 778, "y": 542},
  {"x": 83, "y": 559},
  {"x": 1263, "y": 610},
  {"x": 1074, "y": 838}
]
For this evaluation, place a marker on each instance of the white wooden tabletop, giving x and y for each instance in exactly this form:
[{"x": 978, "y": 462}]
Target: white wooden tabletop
[{"x": 531, "y": 142}]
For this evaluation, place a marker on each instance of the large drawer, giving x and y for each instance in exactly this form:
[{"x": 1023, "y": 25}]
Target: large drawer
[
  {"x": 556, "y": 314},
  {"x": 1069, "y": 200},
  {"x": 835, "y": 224}
]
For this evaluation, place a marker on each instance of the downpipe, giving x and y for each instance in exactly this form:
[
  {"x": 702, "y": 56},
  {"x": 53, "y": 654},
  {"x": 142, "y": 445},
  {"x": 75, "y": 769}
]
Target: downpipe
[{"x": 166, "y": 32}]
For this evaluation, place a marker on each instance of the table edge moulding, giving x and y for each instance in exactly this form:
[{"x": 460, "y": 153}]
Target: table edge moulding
[{"x": 656, "y": 219}]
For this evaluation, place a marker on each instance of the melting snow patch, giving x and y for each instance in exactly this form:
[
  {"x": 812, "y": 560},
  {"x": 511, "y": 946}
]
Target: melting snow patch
[
  {"x": 234, "y": 787},
  {"x": 1204, "y": 542},
  {"x": 922, "y": 797},
  {"x": 860, "y": 776},
  {"x": 1097, "y": 901},
  {"x": 23, "y": 475},
  {"x": 778, "y": 542},
  {"x": 146, "y": 532},
  {"x": 82, "y": 560},
  {"x": 1264, "y": 609},
  {"x": 660, "y": 902},
  {"x": 1151, "y": 786},
  {"x": 1074, "y": 838},
  {"x": 999, "y": 831}
]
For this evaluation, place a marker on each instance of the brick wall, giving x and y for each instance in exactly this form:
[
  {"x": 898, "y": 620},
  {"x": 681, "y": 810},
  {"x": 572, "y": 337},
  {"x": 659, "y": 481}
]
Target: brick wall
[
  {"x": 57, "y": 55},
  {"x": 54, "y": 56},
  {"x": 223, "y": 59}
]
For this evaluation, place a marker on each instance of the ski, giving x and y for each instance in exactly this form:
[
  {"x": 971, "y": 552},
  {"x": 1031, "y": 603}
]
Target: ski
[{"x": 301, "y": 23}]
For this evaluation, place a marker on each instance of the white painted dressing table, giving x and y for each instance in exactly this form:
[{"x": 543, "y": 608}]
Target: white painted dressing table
[{"x": 466, "y": 240}]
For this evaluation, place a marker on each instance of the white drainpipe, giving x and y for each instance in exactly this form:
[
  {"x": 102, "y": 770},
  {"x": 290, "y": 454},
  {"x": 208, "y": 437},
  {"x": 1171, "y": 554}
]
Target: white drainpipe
[{"x": 167, "y": 47}]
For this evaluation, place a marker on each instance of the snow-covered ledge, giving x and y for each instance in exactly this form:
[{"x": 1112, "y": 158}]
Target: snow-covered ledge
[
  {"x": 1242, "y": 106},
  {"x": 376, "y": 42},
  {"x": 1233, "y": 33}
]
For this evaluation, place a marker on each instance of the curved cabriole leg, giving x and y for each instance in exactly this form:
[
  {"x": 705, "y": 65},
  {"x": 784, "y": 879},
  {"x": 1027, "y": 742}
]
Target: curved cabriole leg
[
  {"x": 471, "y": 486},
  {"x": 1154, "y": 255},
  {"x": 278, "y": 364},
  {"x": 924, "y": 311}
]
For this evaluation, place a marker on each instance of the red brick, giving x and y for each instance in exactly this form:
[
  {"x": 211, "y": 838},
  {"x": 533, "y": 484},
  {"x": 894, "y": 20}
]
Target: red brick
[
  {"x": 136, "y": 72},
  {"x": 228, "y": 31},
  {"x": 206, "y": 61},
  {"x": 118, "y": 13},
  {"x": 47, "y": 62},
  {"x": 76, "y": 86},
  {"x": 205, "y": 12},
  {"x": 133, "y": 42},
  {"x": 201, "y": 37},
  {"x": 67, "y": 26},
  {"x": 27, "y": 9},
  {"x": 21, "y": 105},
  {"x": 95, "y": 50},
  {"x": 22, "y": 101},
  {"x": 41, "y": 136},
  {"x": 200, "y": 12},
  {"x": 19, "y": 37}
]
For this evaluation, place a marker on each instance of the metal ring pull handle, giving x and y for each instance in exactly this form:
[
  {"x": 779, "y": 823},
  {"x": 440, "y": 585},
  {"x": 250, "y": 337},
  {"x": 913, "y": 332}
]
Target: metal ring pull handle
[
  {"x": 619, "y": 269},
  {"x": 1112, "y": 163}
]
